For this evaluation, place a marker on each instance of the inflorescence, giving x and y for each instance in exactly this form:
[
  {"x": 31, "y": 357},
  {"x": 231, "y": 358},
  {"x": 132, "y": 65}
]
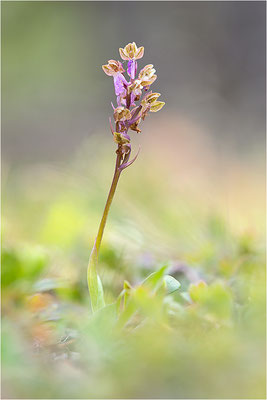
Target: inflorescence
[{"x": 128, "y": 115}]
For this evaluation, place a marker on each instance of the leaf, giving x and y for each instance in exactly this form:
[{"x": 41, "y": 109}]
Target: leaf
[
  {"x": 102, "y": 321},
  {"x": 148, "y": 304},
  {"x": 94, "y": 283},
  {"x": 185, "y": 296},
  {"x": 107, "y": 315},
  {"x": 118, "y": 301},
  {"x": 154, "y": 280},
  {"x": 127, "y": 313},
  {"x": 124, "y": 293},
  {"x": 171, "y": 284},
  {"x": 127, "y": 290}
]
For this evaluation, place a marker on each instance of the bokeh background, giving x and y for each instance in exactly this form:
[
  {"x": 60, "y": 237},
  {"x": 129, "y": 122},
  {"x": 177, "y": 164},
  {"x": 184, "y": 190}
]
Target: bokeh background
[{"x": 195, "y": 197}]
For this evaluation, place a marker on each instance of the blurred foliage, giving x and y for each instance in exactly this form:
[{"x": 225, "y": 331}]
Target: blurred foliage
[{"x": 185, "y": 289}]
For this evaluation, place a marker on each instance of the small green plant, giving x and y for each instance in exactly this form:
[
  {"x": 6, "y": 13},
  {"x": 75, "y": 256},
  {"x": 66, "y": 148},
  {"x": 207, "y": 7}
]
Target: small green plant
[{"x": 127, "y": 116}]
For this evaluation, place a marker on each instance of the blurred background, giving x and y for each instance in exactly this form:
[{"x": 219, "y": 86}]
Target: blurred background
[
  {"x": 209, "y": 56},
  {"x": 195, "y": 197}
]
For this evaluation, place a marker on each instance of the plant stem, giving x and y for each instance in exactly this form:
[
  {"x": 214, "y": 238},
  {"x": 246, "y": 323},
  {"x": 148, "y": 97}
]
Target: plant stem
[
  {"x": 94, "y": 282},
  {"x": 114, "y": 183}
]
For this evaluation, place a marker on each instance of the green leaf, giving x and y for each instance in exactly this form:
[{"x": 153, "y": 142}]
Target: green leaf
[
  {"x": 127, "y": 288},
  {"x": 118, "y": 301},
  {"x": 154, "y": 280},
  {"x": 101, "y": 322},
  {"x": 171, "y": 284},
  {"x": 94, "y": 283},
  {"x": 127, "y": 313},
  {"x": 148, "y": 304},
  {"x": 107, "y": 315},
  {"x": 125, "y": 293}
]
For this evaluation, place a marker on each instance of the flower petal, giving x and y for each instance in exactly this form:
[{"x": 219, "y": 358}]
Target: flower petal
[
  {"x": 122, "y": 54},
  {"x": 107, "y": 70},
  {"x": 156, "y": 106},
  {"x": 139, "y": 53}
]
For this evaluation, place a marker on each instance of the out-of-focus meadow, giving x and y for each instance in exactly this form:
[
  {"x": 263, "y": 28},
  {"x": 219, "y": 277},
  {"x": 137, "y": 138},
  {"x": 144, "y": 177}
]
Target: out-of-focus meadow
[{"x": 193, "y": 202}]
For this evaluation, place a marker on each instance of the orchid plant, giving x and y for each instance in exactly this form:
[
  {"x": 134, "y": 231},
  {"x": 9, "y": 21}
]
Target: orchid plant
[{"x": 127, "y": 116}]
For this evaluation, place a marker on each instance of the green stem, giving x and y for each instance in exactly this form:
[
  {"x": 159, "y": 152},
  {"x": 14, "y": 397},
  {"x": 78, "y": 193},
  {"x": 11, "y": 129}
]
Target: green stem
[{"x": 94, "y": 282}]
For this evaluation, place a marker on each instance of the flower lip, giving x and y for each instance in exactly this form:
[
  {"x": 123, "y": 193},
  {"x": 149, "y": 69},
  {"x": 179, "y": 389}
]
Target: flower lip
[
  {"x": 132, "y": 68},
  {"x": 119, "y": 84}
]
